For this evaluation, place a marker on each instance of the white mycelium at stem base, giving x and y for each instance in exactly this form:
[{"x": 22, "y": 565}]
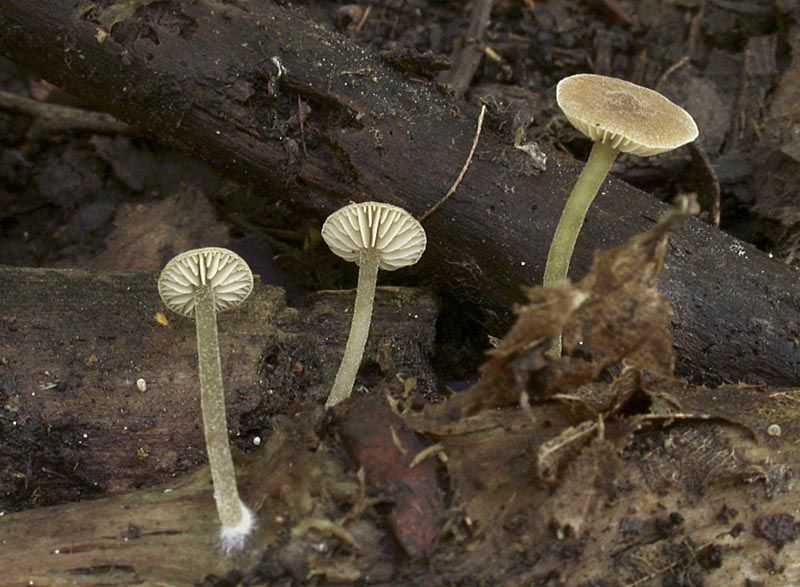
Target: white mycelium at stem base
[
  {"x": 236, "y": 519},
  {"x": 375, "y": 236},
  {"x": 620, "y": 117},
  {"x": 200, "y": 283}
]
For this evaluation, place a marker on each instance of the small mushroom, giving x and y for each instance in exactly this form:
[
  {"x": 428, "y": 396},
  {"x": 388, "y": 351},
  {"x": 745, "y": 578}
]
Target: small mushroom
[
  {"x": 199, "y": 283},
  {"x": 619, "y": 117},
  {"x": 374, "y": 236}
]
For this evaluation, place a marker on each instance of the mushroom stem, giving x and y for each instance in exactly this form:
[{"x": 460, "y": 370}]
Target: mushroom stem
[
  {"x": 231, "y": 510},
  {"x": 359, "y": 328},
  {"x": 569, "y": 226}
]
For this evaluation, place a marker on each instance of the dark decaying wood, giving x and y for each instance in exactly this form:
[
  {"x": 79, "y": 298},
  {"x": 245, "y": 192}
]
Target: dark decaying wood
[
  {"x": 643, "y": 480},
  {"x": 73, "y": 345},
  {"x": 221, "y": 79}
]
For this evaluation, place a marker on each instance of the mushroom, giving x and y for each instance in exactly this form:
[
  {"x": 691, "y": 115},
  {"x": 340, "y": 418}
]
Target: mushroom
[
  {"x": 199, "y": 283},
  {"x": 619, "y": 117},
  {"x": 374, "y": 236}
]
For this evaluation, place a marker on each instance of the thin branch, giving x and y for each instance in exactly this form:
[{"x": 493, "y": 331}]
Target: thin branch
[
  {"x": 300, "y": 119},
  {"x": 464, "y": 169},
  {"x": 469, "y": 57},
  {"x": 55, "y": 118}
]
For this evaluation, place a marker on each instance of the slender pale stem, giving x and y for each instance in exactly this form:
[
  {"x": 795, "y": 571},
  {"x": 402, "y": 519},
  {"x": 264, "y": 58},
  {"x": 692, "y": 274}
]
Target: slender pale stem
[
  {"x": 569, "y": 226},
  {"x": 359, "y": 329},
  {"x": 212, "y": 401}
]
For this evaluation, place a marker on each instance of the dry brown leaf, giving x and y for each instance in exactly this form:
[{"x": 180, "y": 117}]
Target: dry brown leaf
[
  {"x": 613, "y": 314},
  {"x": 145, "y": 236},
  {"x": 381, "y": 443},
  {"x": 584, "y": 487}
]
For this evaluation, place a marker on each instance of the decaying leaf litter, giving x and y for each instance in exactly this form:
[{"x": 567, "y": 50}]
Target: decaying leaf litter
[{"x": 590, "y": 469}]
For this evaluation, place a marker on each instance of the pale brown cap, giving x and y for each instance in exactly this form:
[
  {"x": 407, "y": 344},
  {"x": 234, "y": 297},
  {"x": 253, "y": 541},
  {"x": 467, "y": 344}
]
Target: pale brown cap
[
  {"x": 393, "y": 233},
  {"x": 630, "y": 118},
  {"x": 209, "y": 268}
]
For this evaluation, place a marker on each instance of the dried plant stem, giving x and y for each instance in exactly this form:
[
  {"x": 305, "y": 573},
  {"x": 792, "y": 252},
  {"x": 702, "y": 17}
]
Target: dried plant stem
[
  {"x": 468, "y": 57},
  {"x": 464, "y": 169},
  {"x": 55, "y": 118}
]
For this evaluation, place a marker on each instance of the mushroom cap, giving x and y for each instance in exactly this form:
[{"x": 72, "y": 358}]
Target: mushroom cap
[
  {"x": 630, "y": 118},
  {"x": 396, "y": 236},
  {"x": 214, "y": 268}
]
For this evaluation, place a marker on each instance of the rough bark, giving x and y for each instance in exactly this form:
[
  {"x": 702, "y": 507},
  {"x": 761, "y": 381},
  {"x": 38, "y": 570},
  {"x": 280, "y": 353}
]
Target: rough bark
[
  {"x": 222, "y": 79},
  {"x": 73, "y": 344}
]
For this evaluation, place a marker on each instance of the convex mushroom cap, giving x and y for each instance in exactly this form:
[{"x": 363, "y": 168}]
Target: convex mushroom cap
[
  {"x": 391, "y": 232},
  {"x": 220, "y": 270},
  {"x": 630, "y": 118}
]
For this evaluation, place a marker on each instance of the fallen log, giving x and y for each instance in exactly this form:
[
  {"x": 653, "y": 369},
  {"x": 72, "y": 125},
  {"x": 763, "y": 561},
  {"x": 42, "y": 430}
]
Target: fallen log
[
  {"x": 223, "y": 80},
  {"x": 643, "y": 480}
]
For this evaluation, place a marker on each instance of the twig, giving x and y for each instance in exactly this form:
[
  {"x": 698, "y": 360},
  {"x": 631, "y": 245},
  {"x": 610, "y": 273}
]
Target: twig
[
  {"x": 425, "y": 453},
  {"x": 695, "y": 30},
  {"x": 363, "y": 18},
  {"x": 469, "y": 57},
  {"x": 54, "y": 118},
  {"x": 300, "y": 124},
  {"x": 670, "y": 70},
  {"x": 464, "y": 169}
]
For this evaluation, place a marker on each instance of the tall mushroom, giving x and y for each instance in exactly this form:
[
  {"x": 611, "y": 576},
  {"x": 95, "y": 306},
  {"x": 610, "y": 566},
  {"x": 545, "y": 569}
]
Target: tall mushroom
[
  {"x": 374, "y": 236},
  {"x": 200, "y": 283},
  {"x": 619, "y": 117}
]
